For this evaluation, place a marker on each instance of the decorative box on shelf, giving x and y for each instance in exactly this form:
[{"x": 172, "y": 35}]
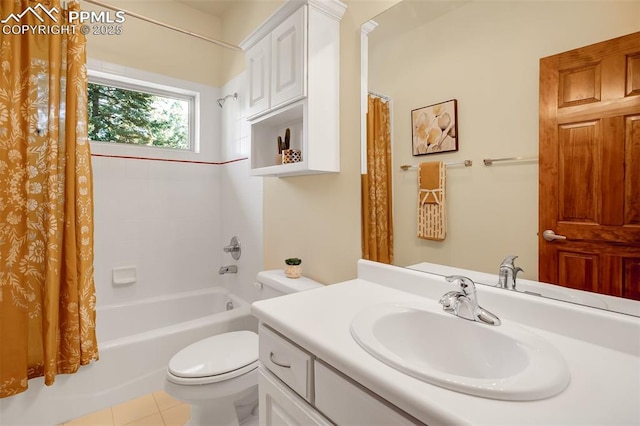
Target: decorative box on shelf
[{"x": 291, "y": 156}]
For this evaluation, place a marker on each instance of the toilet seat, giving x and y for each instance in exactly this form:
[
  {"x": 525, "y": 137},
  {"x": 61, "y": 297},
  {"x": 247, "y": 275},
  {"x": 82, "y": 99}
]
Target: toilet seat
[{"x": 215, "y": 359}]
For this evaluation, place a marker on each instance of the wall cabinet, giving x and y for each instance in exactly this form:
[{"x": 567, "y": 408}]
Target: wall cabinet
[
  {"x": 258, "y": 77},
  {"x": 293, "y": 81},
  {"x": 275, "y": 66}
]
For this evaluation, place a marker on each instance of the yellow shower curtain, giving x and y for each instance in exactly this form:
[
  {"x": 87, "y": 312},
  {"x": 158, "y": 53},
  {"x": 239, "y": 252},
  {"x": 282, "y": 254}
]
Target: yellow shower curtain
[
  {"x": 47, "y": 296},
  {"x": 377, "y": 220}
]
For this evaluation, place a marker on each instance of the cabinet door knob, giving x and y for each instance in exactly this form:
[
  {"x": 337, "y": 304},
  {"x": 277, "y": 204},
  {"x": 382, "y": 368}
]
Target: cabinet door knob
[{"x": 276, "y": 362}]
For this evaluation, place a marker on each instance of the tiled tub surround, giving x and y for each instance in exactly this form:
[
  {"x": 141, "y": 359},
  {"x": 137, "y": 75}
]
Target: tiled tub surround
[
  {"x": 134, "y": 355},
  {"x": 601, "y": 348}
]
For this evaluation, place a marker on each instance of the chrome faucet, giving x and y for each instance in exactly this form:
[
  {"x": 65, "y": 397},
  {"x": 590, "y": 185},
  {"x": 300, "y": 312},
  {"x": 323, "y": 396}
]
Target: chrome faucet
[
  {"x": 464, "y": 303},
  {"x": 231, "y": 269},
  {"x": 508, "y": 273}
]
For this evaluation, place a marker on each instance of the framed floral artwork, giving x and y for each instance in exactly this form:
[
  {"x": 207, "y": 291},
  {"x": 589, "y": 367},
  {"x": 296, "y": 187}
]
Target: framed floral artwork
[{"x": 435, "y": 128}]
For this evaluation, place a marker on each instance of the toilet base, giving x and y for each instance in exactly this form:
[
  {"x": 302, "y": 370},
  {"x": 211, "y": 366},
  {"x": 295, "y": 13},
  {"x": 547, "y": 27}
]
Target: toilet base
[
  {"x": 231, "y": 411},
  {"x": 221, "y": 413},
  {"x": 251, "y": 420},
  {"x": 227, "y": 403}
]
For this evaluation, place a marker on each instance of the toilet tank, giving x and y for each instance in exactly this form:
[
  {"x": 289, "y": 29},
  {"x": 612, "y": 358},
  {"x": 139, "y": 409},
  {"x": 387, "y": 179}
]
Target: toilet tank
[{"x": 275, "y": 283}]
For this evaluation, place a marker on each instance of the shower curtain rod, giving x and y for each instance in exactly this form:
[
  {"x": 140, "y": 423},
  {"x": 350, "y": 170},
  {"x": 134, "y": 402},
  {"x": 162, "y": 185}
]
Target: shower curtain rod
[
  {"x": 162, "y": 24},
  {"x": 383, "y": 97}
]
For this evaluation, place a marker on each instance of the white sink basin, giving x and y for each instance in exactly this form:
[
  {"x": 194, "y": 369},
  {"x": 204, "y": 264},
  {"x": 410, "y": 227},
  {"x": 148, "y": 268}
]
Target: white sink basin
[{"x": 504, "y": 362}]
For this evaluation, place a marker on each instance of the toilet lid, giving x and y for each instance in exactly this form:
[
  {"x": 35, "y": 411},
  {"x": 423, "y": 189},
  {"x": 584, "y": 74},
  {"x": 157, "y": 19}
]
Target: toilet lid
[{"x": 216, "y": 355}]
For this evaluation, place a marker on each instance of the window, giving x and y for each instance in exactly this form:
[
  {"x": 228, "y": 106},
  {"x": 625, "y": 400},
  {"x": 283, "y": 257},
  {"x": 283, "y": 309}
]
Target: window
[{"x": 136, "y": 113}]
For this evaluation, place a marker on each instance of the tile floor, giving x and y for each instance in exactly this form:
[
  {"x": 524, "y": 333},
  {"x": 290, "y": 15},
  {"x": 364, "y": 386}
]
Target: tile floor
[{"x": 156, "y": 409}]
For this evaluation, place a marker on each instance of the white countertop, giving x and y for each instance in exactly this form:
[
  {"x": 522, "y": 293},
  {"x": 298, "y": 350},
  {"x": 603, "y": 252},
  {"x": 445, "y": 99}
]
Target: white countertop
[{"x": 604, "y": 387}]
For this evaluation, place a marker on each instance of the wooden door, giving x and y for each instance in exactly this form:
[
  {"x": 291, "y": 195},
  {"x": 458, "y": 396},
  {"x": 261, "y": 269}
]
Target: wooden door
[{"x": 589, "y": 189}]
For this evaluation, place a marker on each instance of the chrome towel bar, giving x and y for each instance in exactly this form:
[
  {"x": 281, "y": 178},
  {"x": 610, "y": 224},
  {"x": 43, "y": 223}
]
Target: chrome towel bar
[
  {"x": 466, "y": 163},
  {"x": 490, "y": 161}
]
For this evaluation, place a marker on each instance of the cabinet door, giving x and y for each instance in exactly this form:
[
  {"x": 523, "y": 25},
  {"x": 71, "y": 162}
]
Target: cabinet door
[
  {"x": 288, "y": 50},
  {"x": 279, "y": 406},
  {"x": 258, "y": 75},
  {"x": 361, "y": 407}
]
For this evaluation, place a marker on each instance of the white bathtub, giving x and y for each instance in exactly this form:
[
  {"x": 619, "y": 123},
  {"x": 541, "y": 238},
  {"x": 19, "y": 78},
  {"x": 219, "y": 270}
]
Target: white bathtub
[{"x": 136, "y": 342}]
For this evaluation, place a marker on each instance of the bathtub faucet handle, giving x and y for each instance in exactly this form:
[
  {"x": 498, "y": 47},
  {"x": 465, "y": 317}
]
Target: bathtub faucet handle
[{"x": 233, "y": 248}]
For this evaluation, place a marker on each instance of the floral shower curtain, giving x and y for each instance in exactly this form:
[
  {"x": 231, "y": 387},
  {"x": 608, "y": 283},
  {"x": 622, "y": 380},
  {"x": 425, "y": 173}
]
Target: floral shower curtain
[
  {"x": 377, "y": 219},
  {"x": 47, "y": 296}
]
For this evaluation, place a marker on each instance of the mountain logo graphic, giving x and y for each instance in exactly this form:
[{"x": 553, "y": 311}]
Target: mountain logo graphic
[{"x": 35, "y": 12}]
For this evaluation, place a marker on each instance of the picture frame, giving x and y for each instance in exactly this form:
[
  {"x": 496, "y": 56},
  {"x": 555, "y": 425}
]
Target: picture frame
[{"x": 434, "y": 128}]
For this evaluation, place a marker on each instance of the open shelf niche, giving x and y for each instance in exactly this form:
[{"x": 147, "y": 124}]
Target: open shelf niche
[{"x": 264, "y": 136}]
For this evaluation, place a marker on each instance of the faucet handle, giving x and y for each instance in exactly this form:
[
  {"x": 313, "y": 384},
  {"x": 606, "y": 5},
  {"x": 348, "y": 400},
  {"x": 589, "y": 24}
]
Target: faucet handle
[
  {"x": 233, "y": 248},
  {"x": 515, "y": 272},
  {"x": 448, "y": 301},
  {"x": 508, "y": 273},
  {"x": 509, "y": 262},
  {"x": 467, "y": 286}
]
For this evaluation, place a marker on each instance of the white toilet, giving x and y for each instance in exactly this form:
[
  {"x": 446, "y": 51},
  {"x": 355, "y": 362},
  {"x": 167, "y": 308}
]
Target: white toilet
[{"x": 218, "y": 375}]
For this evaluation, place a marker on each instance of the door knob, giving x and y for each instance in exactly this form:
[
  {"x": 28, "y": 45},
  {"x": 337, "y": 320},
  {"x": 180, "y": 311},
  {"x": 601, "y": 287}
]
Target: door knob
[{"x": 549, "y": 235}]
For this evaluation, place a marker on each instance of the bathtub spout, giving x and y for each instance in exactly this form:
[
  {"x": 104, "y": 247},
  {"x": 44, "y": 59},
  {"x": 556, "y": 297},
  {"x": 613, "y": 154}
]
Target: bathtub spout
[{"x": 230, "y": 269}]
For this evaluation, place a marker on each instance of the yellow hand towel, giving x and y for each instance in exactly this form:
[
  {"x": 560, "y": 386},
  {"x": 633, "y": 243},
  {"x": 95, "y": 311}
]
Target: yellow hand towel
[
  {"x": 431, "y": 201},
  {"x": 429, "y": 182}
]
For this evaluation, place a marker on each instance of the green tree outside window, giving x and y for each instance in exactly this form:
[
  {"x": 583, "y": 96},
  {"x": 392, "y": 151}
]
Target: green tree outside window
[{"x": 132, "y": 117}]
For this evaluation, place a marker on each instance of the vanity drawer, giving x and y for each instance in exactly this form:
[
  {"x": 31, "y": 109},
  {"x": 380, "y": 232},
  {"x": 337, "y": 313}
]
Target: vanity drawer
[
  {"x": 361, "y": 407},
  {"x": 288, "y": 362}
]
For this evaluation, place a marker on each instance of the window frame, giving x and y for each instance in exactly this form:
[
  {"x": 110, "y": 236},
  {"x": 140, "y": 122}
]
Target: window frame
[{"x": 153, "y": 88}]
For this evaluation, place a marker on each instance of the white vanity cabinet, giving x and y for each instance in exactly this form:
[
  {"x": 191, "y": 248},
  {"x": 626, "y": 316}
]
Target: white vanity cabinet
[
  {"x": 289, "y": 362},
  {"x": 350, "y": 386},
  {"x": 293, "y": 82},
  {"x": 297, "y": 388},
  {"x": 280, "y": 406},
  {"x": 285, "y": 383},
  {"x": 347, "y": 403}
]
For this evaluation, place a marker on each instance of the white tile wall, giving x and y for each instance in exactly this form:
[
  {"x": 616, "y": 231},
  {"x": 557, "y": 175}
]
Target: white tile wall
[
  {"x": 172, "y": 219},
  {"x": 242, "y": 216},
  {"x": 162, "y": 217},
  {"x": 241, "y": 197}
]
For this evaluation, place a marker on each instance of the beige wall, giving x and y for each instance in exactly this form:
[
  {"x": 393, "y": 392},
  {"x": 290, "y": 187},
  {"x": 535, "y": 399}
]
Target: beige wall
[
  {"x": 152, "y": 48},
  {"x": 317, "y": 217},
  {"x": 237, "y": 23},
  {"x": 485, "y": 55},
  {"x": 149, "y": 47}
]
